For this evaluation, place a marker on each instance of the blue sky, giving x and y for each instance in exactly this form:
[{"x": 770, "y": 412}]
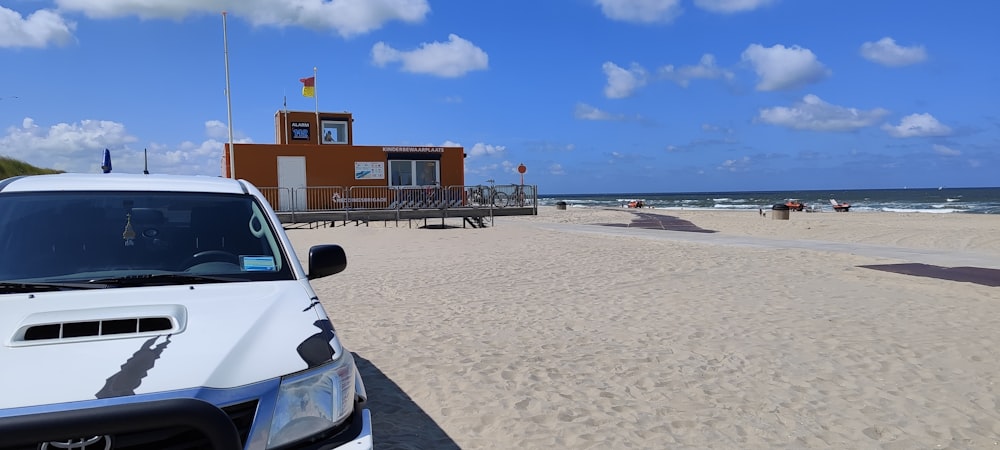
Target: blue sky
[{"x": 600, "y": 96}]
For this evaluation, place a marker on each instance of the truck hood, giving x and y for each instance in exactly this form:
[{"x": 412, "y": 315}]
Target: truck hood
[{"x": 103, "y": 343}]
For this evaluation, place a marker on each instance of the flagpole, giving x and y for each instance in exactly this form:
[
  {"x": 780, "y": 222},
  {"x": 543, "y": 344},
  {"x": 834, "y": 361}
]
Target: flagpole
[
  {"x": 284, "y": 125},
  {"x": 319, "y": 126},
  {"x": 229, "y": 102}
]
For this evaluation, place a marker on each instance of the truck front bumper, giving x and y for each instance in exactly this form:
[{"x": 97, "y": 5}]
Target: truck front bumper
[{"x": 363, "y": 441}]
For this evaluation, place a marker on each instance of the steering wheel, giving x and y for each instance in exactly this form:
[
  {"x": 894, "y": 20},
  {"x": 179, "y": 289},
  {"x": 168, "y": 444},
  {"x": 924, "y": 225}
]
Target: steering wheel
[{"x": 211, "y": 256}]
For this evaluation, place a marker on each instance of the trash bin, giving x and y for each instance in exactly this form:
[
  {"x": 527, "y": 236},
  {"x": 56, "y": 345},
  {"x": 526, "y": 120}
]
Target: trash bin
[
  {"x": 560, "y": 205},
  {"x": 779, "y": 212}
]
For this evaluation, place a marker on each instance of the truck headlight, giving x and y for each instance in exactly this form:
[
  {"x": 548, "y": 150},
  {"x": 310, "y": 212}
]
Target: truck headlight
[{"x": 313, "y": 401}]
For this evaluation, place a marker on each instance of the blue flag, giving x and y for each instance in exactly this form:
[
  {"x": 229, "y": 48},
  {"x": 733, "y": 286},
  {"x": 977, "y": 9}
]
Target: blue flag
[{"x": 106, "y": 167}]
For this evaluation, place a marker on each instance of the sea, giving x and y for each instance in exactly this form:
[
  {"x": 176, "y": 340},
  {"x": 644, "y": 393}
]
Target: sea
[{"x": 911, "y": 200}]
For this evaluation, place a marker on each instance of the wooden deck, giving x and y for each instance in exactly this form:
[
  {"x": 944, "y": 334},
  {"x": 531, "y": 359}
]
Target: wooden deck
[{"x": 476, "y": 216}]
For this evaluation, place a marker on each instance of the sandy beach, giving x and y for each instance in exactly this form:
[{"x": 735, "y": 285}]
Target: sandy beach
[{"x": 548, "y": 331}]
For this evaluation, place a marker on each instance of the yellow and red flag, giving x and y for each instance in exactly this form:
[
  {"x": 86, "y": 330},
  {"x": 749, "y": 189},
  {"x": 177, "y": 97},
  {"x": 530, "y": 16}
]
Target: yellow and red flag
[{"x": 308, "y": 86}]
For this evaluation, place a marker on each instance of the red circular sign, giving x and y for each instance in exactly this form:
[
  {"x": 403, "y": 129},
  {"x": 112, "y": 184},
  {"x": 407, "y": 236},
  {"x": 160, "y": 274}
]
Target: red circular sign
[{"x": 521, "y": 168}]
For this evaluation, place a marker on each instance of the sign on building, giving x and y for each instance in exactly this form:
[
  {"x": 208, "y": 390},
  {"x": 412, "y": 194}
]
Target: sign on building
[
  {"x": 300, "y": 131},
  {"x": 364, "y": 170}
]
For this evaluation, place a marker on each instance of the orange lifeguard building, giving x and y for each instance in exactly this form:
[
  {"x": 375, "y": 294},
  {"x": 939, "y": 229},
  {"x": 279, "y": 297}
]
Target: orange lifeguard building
[
  {"x": 314, "y": 172},
  {"x": 317, "y": 150}
]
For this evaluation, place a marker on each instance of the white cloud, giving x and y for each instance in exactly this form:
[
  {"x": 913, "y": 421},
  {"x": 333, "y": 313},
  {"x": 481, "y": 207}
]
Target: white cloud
[
  {"x": 63, "y": 146},
  {"x": 623, "y": 82},
  {"x": 945, "y": 151},
  {"x": 731, "y": 6},
  {"x": 917, "y": 125},
  {"x": 481, "y": 149},
  {"x": 79, "y": 147},
  {"x": 346, "y": 17},
  {"x": 510, "y": 167},
  {"x": 586, "y": 112},
  {"x": 812, "y": 113},
  {"x": 485, "y": 160},
  {"x": 217, "y": 129},
  {"x": 556, "y": 169},
  {"x": 735, "y": 165},
  {"x": 886, "y": 52},
  {"x": 40, "y": 29},
  {"x": 712, "y": 128},
  {"x": 545, "y": 146},
  {"x": 444, "y": 59},
  {"x": 641, "y": 11},
  {"x": 706, "y": 69},
  {"x": 782, "y": 68}
]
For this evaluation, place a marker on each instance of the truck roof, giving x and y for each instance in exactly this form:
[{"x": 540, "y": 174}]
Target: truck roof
[{"x": 121, "y": 182}]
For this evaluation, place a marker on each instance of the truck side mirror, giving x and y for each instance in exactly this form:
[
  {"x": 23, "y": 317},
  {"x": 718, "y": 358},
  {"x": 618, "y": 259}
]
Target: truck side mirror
[{"x": 325, "y": 260}]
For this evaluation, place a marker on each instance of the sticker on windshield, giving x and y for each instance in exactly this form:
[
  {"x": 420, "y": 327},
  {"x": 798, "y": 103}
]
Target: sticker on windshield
[
  {"x": 257, "y": 263},
  {"x": 129, "y": 234}
]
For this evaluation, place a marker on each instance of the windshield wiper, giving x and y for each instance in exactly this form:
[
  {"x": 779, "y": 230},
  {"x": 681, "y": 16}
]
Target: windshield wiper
[
  {"x": 161, "y": 279},
  {"x": 13, "y": 287}
]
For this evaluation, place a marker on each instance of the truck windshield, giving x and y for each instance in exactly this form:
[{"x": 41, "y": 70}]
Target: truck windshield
[{"x": 87, "y": 236}]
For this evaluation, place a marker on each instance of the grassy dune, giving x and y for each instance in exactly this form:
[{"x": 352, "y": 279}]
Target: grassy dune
[{"x": 10, "y": 167}]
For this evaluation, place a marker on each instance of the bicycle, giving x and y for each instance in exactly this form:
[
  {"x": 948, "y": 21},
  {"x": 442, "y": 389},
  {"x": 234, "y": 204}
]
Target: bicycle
[
  {"x": 483, "y": 196},
  {"x": 518, "y": 198}
]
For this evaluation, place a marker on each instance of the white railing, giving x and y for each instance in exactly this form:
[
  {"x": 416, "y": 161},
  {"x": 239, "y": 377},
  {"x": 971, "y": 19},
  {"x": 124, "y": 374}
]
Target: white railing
[{"x": 341, "y": 198}]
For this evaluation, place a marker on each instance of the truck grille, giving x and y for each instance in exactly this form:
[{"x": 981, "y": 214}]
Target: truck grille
[{"x": 158, "y": 437}]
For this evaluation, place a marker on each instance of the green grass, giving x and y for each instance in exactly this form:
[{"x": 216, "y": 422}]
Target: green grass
[{"x": 10, "y": 167}]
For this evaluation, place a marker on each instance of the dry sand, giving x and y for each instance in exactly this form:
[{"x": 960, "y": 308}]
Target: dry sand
[{"x": 545, "y": 332}]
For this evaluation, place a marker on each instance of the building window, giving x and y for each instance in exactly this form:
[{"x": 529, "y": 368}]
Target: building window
[
  {"x": 334, "y": 132},
  {"x": 427, "y": 173},
  {"x": 413, "y": 173},
  {"x": 400, "y": 173}
]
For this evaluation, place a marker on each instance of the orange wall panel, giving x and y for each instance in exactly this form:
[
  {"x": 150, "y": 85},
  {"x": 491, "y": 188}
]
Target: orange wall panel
[
  {"x": 332, "y": 166},
  {"x": 329, "y": 164}
]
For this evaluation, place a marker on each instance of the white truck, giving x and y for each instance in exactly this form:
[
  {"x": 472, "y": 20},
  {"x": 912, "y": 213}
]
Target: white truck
[{"x": 159, "y": 311}]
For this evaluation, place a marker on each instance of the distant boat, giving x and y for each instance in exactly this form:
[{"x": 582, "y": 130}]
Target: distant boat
[
  {"x": 795, "y": 205},
  {"x": 840, "y": 207}
]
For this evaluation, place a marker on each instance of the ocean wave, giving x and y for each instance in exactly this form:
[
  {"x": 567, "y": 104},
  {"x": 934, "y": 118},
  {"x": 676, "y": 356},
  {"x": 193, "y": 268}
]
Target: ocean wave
[
  {"x": 918, "y": 210},
  {"x": 969, "y": 201}
]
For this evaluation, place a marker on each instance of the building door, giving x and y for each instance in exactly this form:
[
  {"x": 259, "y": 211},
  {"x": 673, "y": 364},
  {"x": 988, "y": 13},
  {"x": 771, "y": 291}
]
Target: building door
[{"x": 291, "y": 183}]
